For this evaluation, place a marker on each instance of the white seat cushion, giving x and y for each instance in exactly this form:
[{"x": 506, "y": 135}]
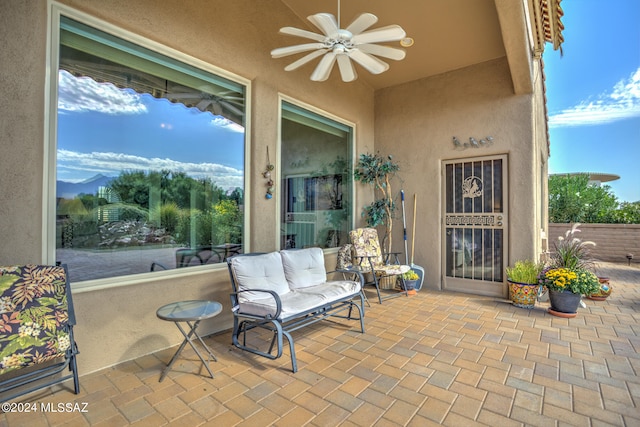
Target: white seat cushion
[
  {"x": 304, "y": 267},
  {"x": 302, "y": 300},
  {"x": 259, "y": 272}
]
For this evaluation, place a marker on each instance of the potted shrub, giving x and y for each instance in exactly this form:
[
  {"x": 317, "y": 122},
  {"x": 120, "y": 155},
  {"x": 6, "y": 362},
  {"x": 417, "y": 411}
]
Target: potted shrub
[
  {"x": 523, "y": 283},
  {"x": 570, "y": 274},
  {"x": 377, "y": 171}
]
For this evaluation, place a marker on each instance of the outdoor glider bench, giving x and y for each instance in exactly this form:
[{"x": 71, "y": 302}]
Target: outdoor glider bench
[
  {"x": 36, "y": 329},
  {"x": 285, "y": 291}
]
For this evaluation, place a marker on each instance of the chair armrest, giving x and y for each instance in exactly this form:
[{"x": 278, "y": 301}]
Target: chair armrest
[
  {"x": 351, "y": 270},
  {"x": 236, "y": 305},
  {"x": 157, "y": 264},
  {"x": 387, "y": 256}
]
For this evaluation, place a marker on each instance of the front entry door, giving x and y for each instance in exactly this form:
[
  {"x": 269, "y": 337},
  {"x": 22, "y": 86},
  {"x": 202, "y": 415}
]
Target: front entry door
[{"x": 475, "y": 225}]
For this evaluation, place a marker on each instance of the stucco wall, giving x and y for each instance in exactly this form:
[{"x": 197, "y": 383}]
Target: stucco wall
[
  {"x": 119, "y": 323},
  {"x": 613, "y": 241},
  {"x": 424, "y": 115}
]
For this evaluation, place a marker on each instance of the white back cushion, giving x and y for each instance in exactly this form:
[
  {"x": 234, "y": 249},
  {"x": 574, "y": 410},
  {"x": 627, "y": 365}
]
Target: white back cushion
[
  {"x": 259, "y": 272},
  {"x": 304, "y": 267}
]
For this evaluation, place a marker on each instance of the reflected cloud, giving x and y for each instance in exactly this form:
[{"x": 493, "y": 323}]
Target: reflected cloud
[
  {"x": 83, "y": 94},
  {"x": 623, "y": 102},
  {"x": 111, "y": 164},
  {"x": 225, "y": 123}
]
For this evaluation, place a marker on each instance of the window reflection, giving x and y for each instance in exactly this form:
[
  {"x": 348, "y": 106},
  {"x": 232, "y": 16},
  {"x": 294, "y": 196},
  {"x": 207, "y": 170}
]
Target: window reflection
[
  {"x": 316, "y": 171},
  {"x": 150, "y": 159}
]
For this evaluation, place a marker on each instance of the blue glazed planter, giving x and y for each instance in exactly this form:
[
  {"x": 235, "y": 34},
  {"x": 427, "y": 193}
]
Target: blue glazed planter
[{"x": 564, "y": 302}]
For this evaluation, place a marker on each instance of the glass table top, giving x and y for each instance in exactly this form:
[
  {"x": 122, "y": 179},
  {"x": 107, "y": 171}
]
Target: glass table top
[{"x": 183, "y": 311}]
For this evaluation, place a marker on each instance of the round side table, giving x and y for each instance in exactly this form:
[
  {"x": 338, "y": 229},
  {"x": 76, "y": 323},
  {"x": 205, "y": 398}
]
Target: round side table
[{"x": 191, "y": 313}]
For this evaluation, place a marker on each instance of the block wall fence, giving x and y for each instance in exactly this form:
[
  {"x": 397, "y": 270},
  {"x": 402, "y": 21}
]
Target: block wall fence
[{"x": 613, "y": 241}]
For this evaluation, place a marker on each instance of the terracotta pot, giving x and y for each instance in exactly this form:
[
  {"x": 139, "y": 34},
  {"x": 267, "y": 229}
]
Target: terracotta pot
[{"x": 604, "y": 292}]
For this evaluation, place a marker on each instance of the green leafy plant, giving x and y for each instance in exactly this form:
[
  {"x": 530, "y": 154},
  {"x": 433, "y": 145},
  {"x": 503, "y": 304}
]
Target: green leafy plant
[
  {"x": 375, "y": 170},
  {"x": 410, "y": 275},
  {"x": 524, "y": 271},
  {"x": 578, "y": 281}
]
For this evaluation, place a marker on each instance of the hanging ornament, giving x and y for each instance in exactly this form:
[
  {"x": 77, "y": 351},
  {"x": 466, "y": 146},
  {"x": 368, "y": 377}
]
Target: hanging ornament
[{"x": 267, "y": 175}]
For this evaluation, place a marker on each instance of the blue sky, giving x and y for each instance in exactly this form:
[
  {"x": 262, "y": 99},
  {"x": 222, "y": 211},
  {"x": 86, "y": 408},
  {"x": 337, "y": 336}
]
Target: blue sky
[
  {"x": 593, "y": 93},
  {"x": 104, "y": 130}
]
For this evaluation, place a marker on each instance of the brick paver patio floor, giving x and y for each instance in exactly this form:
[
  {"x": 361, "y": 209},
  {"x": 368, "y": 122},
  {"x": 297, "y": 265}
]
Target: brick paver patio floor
[{"x": 438, "y": 358}]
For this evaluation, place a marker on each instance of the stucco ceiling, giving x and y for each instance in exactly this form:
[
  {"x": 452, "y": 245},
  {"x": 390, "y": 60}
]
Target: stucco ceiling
[{"x": 448, "y": 34}]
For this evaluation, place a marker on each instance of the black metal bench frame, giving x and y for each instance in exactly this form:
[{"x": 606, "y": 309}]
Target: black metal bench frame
[{"x": 282, "y": 327}]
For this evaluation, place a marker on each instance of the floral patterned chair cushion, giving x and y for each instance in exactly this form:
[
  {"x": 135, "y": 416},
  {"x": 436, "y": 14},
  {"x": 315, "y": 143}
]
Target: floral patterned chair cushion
[
  {"x": 34, "y": 316},
  {"x": 366, "y": 246},
  {"x": 344, "y": 259},
  {"x": 369, "y": 258}
]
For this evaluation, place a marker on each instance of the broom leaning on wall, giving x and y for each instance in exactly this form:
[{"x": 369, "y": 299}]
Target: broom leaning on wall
[{"x": 419, "y": 270}]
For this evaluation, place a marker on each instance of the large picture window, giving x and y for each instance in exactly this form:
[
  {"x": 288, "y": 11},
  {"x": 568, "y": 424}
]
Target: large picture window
[
  {"x": 149, "y": 159},
  {"x": 316, "y": 154}
]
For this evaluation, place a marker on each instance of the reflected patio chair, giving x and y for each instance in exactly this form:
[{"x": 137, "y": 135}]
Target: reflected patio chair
[
  {"x": 368, "y": 258},
  {"x": 187, "y": 257}
]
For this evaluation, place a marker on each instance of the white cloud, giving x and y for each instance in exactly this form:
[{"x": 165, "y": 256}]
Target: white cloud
[
  {"x": 225, "y": 123},
  {"x": 621, "y": 103},
  {"x": 111, "y": 164},
  {"x": 82, "y": 94}
]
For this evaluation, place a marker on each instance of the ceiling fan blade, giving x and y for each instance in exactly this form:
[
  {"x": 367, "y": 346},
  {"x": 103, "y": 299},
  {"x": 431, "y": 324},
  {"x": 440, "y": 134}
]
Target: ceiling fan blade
[
  {"x": 383, "y": 34},
  {"x": 202, "y": 105},
  {"x": 369, "y": 62},
  {"x": 362, "y": 22},
  {"x": 216, "y": 108},
  {"x": 323, "y": 70},
  {"x": 302, "y": 33},
  {"x": 232, "y": 108},
  {"x": 290, "y": 50},
  {"x": 326, "y": 22},
  {"x": 300, "y": 62},
  {"x": 384, "y": 51},
  {"x": 185, "y": 95},
  {"x": 347, "y": 70}
]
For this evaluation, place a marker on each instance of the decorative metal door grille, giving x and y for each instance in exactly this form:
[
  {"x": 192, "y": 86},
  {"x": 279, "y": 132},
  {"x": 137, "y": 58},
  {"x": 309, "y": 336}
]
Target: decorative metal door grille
[{"x": 474, "y": 220}]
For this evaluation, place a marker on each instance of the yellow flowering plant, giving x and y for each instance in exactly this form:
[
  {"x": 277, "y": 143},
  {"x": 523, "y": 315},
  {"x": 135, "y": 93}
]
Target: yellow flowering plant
[
  {"x": 410, "y": 275},
  {"x": 578, "y": 281}
]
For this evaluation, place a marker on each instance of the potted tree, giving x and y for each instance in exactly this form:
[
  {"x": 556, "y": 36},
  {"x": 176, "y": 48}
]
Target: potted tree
[
  {"x": 523, "y": 283},
  {"x": 375, "y": 170}
]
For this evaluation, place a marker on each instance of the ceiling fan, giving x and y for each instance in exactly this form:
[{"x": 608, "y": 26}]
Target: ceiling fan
[
  {"x": 204, "y": 100},
  {"x": 343, "y": 46}
]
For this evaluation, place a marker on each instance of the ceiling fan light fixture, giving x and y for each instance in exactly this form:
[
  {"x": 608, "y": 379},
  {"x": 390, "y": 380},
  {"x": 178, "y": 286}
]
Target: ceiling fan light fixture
[{"x": 406, "y": 42}]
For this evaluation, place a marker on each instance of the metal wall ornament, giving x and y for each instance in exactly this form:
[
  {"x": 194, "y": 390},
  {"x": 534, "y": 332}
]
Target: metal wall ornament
[
  {"x": 267, "y": 175},
  {"x": 473, "y": 143}
]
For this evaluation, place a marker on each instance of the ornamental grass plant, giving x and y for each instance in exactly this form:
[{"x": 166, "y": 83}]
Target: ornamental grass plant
[
  {"x": 571, "y": 265},
  {"x": 524, "y": 271},
  {"x": 572, "y": 252}
]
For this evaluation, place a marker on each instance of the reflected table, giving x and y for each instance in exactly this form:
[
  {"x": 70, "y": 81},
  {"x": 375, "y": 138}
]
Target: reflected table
[{"x": 191, "y": 313}]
